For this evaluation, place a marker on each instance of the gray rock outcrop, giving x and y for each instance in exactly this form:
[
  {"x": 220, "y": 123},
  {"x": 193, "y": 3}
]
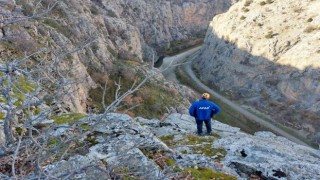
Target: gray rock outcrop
[
  {"x": 78, "y": 167},
  {"x": 265, "y": 54},
  {"x": 269, "y": 156},
  {"x": 141, "y": 148},
  {"x": 263, "y": 154}
]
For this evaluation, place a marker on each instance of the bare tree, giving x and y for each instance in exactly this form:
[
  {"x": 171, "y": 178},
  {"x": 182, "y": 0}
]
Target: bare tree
[
  {"x": 8, "y": 18},
  {"x": 31, "y": 88}
]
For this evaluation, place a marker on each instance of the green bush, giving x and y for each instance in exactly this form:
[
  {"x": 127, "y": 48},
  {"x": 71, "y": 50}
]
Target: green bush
[{"x": 242, "y": 18}]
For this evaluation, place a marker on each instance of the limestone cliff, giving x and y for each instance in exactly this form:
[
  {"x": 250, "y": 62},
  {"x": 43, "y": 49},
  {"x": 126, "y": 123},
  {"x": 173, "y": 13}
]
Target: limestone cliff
[
  {"x": 266, "y": 54},
  {"x": 133, "y": 30}
]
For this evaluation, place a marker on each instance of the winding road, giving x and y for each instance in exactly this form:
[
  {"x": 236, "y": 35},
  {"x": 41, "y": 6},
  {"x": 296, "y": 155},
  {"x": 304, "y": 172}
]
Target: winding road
[{"x": 185, "y": 58}]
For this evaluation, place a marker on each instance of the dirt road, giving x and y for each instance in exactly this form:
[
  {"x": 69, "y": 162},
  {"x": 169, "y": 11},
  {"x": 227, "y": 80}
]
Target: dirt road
[
  {"x": 169, "y": 66},
  {"x": 170, "y": 63}
]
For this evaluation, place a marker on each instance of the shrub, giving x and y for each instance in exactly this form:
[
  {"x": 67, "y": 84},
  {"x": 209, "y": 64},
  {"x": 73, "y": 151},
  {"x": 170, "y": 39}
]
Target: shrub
[
  {"x": 100, "y": 78},
  {"x": 298, "y": 10},
  {"x": 113, "y": 52},
  {"x": 269, "y": 1},
  {"x": 65, "y": 30},
  {"x": 94, "y": 10},
  {"x": 310, "y": 20},
  {"x": 242, "y": 18},
  {"x": 245, "y": 10},
  {"x": 262, "y": 3},
  {"x": 27, "y": 9},
  {"x": 269, "y": 35},
  {"x": 248, "y": 2},
  {"x": 310, "y": 29},
  {"x": 2, "y": 116}
]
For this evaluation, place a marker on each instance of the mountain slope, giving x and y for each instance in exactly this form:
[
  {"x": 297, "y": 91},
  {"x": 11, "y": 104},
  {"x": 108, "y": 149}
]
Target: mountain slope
[{"x": 119, "y": 31}]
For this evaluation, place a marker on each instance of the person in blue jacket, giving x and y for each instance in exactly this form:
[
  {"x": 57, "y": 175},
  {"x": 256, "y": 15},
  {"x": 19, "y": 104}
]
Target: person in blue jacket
[{"x": 203, "y": 110}]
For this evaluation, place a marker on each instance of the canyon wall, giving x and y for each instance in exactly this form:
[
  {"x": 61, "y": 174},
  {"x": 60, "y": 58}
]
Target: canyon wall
[
  {"x": 135, "y": 30},
  {"x": 266, "y": 54}
]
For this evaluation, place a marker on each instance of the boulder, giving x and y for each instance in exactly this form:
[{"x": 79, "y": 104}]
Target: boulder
[{"x": 78, "y": 167}]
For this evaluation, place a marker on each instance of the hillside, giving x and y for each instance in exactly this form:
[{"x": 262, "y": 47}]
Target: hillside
[{"x": 265, "y": 54}]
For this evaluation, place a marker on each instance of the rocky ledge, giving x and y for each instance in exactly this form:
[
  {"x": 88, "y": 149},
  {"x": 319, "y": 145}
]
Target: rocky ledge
[{"x": 123, "y": 147}]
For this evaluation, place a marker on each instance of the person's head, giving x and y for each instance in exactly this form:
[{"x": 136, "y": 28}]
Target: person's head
[{"x": 205, "y": 96}]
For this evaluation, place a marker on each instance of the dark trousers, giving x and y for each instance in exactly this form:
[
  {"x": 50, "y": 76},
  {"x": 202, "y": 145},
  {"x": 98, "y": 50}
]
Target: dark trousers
[{"x": 200, "y": 124}]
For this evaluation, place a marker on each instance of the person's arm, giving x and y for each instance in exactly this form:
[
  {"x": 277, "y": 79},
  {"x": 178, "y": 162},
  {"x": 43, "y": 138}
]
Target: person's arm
[
  {"x": 192, "y": 110},
  {"x": 215, "y": 109}
]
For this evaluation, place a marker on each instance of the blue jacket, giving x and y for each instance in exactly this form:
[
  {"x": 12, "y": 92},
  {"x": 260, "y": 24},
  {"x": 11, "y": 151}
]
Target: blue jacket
[{"x": 203, "y": 109}]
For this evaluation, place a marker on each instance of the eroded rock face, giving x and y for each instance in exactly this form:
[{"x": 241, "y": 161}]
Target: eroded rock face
[{"x": 265, "y": 54}]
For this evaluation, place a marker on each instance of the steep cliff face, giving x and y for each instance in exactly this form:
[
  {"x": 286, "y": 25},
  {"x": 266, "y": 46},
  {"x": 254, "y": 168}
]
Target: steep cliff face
[
  {"x": 118, "y": 30},
  {"x": 160, "y": 22},
  {"x": 265, "y": 54}
]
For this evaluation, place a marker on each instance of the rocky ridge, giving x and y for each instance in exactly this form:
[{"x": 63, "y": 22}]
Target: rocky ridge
[
  {"x": 153, "y": 149},
  {"x": 265, "y": 54}
]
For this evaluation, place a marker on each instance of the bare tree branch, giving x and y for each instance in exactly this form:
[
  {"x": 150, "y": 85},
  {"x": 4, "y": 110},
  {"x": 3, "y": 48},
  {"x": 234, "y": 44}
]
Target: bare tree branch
[{"x": 17, "y": 19}]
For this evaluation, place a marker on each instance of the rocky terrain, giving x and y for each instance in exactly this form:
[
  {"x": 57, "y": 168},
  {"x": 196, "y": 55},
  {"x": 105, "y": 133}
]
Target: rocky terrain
[
  {"x": 122, "y": 147},
  {"x": 265, "y": 54}
]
